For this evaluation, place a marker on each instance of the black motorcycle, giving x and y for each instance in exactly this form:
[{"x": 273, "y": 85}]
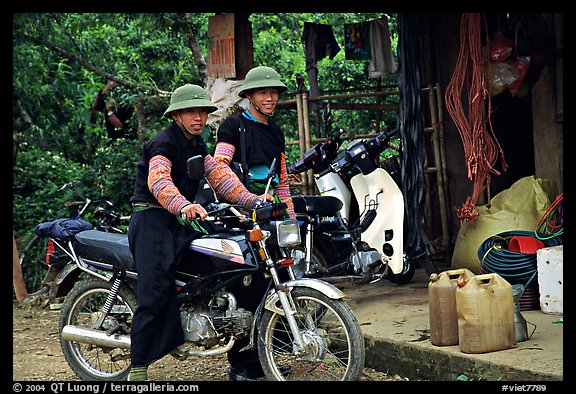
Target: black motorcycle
[{"x": 302, "y": 328}]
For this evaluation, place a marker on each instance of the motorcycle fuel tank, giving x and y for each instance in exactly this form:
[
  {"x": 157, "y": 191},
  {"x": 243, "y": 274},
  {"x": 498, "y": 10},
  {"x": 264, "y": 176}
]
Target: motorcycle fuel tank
[{"x": 216, "y": 253}]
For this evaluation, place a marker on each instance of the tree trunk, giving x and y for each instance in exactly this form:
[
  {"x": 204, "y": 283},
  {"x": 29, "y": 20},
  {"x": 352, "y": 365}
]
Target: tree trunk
[{"x": 195, "y": 48}]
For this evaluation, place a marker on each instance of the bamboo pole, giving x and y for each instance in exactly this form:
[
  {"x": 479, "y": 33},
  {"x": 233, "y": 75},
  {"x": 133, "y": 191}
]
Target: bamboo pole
[
  {"x": 288, "y": 103},
  {"x": 301, "y": 142},
  {"x": 307, "y": 141},
  {"x": 442, "y": 143},
  {"x": 349, "y": 96},
  {"x": 17, "y": 278},
  {"x": 438, "y": 162},
  {"x": 427, "y": 171}
]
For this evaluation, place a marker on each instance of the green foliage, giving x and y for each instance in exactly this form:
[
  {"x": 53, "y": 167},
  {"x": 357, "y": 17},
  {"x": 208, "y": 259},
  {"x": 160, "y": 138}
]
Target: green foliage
[
  {"x": 115, "y": 166},
  {"x": 36, "y": 183},
  {"x": 35, "y": 188}
]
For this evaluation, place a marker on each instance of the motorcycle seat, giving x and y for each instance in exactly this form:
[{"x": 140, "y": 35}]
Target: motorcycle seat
[
  {"x": 317, "y": 205},
  {"x": 105, "y": 247}
]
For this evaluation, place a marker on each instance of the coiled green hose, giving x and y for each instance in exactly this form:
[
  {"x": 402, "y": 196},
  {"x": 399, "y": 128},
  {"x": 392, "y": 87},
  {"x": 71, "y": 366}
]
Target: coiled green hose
[{"x": 515, "y": 267}]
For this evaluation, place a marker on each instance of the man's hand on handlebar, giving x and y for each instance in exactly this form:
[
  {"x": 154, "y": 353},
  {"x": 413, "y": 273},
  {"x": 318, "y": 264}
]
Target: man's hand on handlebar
[
  {"x": 258, "y": 202},
  {"x": 191, "y": 211},
  {"x": 266, "y": 197}
]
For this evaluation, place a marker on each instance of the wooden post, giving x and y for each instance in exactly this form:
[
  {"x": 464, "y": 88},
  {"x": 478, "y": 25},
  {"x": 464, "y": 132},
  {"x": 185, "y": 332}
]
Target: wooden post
[
  {"x": 17, "y": 279},
  {"x": 307, "y": 142}
]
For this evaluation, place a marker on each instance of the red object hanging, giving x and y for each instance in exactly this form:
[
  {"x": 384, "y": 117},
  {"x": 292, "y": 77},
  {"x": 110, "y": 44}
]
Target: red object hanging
[
  {"x": 481, "y": 148},
  {"x": 500, "y": 48}
]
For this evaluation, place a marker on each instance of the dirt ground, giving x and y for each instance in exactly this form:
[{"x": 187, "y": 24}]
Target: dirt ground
[{"x": 37, "y": 355}]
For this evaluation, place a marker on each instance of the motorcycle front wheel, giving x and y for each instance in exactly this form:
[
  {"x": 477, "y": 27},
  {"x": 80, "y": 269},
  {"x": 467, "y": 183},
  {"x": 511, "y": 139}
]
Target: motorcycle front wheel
[
  {"x": 83, "y": 305},
  {"x": 334, "y": 345}
]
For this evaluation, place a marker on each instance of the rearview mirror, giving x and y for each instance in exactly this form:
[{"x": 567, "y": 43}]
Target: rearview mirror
[
  {"x": 272, "y": 170},
  {"x": 195, "y": 166}
]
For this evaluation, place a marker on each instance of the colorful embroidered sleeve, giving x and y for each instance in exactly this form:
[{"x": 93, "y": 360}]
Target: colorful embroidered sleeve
[
  {"x": 162, "y": 186},
  {"x": 226, "y": 183},
  {"x": 224, "y": 152},
  {"x": 283, "y": 187}
]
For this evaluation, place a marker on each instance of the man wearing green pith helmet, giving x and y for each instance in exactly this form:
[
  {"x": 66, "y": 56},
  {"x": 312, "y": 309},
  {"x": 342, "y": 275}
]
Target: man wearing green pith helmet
[
  {"x": 163, "y": 193},
  {"x": 252, "y": 134}
]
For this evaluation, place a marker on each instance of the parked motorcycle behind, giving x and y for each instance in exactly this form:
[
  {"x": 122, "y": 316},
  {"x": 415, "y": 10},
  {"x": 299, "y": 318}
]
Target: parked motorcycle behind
[
  {"x": 41, "y": 252},
  {"x": 302, "y": 328},
  {"x": 353, "y": 231}
]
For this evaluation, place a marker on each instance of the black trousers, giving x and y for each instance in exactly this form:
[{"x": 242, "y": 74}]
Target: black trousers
[
  {"x": 248, "y": 298},
  {"x": 156, "y": 242}
]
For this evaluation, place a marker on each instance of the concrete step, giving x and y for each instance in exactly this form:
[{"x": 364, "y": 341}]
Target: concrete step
[{"x": 395, "y": 323}]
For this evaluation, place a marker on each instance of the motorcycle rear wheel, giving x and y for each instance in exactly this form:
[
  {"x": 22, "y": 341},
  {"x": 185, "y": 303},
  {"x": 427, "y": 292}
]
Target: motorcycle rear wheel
[
  {"x": 406, "y": 275},
  {"x": 335, "y": 347},
  {"x": 82, "y": 305}
]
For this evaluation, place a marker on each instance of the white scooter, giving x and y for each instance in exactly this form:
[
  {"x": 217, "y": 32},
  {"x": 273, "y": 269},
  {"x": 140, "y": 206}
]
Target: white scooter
[{"x": 371, "y": 210}]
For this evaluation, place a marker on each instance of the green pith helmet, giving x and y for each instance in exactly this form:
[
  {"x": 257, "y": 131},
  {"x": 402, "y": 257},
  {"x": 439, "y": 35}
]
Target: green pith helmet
[
  {"x": 189, "y": 96},
  {"x": 262, "y": 77}
]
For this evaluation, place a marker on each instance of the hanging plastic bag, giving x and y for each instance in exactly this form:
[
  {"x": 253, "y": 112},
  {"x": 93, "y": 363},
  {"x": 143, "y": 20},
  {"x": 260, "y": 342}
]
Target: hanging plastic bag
[
  {"x": 520, "y": 67},
  {"x": 500, "y": 76},
  {"x": 500, "y": 48}
]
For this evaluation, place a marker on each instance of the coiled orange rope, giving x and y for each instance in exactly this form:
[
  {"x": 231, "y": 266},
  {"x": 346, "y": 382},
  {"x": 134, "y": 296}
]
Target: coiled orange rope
[{"x": 481, "y": 148}]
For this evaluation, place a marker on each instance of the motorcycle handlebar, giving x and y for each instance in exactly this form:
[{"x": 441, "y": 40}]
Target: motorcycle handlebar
[
  {"x": 264, "y": 211},
  {"x": 320, "y": 155},
  {"x": 381, "y": 142},
  {"x": 213, "y": 208}
]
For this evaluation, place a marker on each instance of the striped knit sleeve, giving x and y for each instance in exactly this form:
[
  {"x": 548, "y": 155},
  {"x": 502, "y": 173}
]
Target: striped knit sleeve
[
  {"x": 224, "y": 152},
  {"x": 283, "y": 187},
  {"x": 162, "y": 186},
  {"x": 226, "y": 183}
]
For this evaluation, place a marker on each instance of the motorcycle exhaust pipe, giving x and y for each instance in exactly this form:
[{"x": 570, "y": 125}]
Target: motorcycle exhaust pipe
[{"x": 94, "y": 337}]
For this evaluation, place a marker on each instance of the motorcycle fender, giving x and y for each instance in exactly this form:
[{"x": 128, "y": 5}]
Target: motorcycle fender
[
  {"x": 64, "y": 272},
  {"x": 325, "y": 288},
  {"x": 331, "y": 184},
  {"x": 379, "y": 187}
]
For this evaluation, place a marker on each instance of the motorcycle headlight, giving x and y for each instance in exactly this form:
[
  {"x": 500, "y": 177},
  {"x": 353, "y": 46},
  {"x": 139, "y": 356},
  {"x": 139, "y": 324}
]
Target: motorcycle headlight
[{"x": 287, "y": 233}]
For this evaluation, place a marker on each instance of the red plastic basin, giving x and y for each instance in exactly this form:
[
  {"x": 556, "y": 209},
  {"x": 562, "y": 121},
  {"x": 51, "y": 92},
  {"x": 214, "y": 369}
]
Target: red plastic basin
[{"x": 525, "y": 244}]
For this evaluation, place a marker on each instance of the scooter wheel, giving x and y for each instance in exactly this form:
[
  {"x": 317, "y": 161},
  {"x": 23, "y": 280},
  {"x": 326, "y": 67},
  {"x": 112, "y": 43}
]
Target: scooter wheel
[{"x": 405, "y": 276}]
